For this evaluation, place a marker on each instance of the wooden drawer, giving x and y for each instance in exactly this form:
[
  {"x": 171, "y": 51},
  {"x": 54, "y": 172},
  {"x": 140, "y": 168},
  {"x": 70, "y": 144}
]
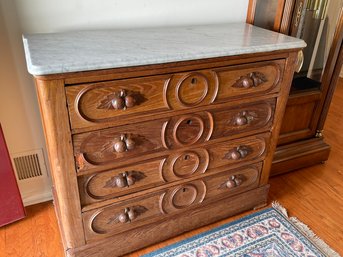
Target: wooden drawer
[
  {"x": 185, "y": 164},
  {"x": 146, "y": 209},
  {"x": 121, "y": 101},
  {"x": 109, "y": 148}
]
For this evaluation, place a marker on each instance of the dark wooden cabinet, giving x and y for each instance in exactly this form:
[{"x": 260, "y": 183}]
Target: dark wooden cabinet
[{"x": 301, "y": 142}]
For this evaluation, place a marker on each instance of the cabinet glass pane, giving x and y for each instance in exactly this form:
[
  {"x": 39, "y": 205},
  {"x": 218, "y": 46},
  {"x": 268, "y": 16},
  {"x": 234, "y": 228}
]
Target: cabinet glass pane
[{"x": 313, "y": 28}]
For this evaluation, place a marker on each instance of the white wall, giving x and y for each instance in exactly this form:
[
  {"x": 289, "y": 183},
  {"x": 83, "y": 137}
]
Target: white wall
[
  {"x": 19, "y": 112},
  {"x": 62, "y": 15}
]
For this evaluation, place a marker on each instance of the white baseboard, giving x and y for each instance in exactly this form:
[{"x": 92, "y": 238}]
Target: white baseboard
[{"x": 38, "y": 198}]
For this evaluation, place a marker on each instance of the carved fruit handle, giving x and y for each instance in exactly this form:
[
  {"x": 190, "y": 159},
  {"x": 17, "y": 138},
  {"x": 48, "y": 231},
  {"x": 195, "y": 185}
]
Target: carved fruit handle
[
  {"x": 124, "y": 144},
  {"x": 119, "y": 101},
  {"x": 128, "y": 215},
  {"x": 252, "y": 79},
  {"x": 122, "y": 100},
  {"x": 125, "y": 179},
  {"x": 234, "y": 181},
  {"x": 238, "y": 153},
  {"x": 243, "y": 119}
]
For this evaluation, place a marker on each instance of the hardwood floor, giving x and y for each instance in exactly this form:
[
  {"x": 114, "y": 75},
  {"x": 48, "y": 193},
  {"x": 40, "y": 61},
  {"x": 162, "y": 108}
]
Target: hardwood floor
[{"x": 314, "y": 195}]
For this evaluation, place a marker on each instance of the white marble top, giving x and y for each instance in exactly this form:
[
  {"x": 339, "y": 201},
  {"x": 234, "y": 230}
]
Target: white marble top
[{"x": 103, "y": 49}]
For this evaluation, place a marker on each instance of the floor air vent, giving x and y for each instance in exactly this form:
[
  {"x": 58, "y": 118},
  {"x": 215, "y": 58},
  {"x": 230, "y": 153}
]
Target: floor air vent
[
  {"x": 29, "y": 164},
  {"x": 32, "y": 176}
]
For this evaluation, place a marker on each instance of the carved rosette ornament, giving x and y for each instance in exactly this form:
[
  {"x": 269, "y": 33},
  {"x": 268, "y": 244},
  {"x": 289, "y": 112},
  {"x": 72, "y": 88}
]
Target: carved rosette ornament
[{"x": 252, "y": 79}]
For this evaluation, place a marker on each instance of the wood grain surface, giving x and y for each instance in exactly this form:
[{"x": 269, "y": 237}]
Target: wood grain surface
[
  {"x": 180, "y": 165},
  {"x": 91, "y": 105},
  {"x": 58, "y": 138},
  {"x": 96, "y": 150},
  {"x": 162, "y": 204}
]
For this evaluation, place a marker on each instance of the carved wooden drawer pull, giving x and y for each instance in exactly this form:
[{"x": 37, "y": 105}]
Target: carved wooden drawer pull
[
  {"x": 234, "y": 181},
  {"x": 250, "y": 80},
  {"x": 124, "y": 144},
  {"x": 128, "y": 214},
  {"x": 243, "y": 118},
  {"x": 238, "y": 153},
  {"x": 119, "y": 101},
  {"x": 125, "y": 179}
]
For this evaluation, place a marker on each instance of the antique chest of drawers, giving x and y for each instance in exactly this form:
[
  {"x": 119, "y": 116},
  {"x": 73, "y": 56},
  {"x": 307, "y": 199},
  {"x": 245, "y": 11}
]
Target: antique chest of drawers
[{"x": 154, "y": 132}]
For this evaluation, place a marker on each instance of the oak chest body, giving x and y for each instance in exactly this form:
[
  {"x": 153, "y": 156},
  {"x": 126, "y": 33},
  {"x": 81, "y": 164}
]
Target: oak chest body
[{"x": 148, "y": 145}]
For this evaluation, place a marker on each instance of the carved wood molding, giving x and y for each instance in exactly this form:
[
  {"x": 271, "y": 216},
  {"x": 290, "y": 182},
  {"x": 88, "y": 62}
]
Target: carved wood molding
[
  {"x": 190, "y": 89},
  {"x": 183, "y": 196},
  {"x": 184, "y": 164}
]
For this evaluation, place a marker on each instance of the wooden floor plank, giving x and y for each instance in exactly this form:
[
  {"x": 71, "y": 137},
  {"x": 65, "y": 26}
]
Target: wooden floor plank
[
  {"x": 46, "y": 227},
  {"x": 2, "y": 243},
  {"x": 314, "y": 195},
  {"x": 19, "y": 238}
]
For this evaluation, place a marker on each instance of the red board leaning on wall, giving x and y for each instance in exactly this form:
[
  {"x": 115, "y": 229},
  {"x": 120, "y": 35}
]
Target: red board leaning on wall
[{"x": 11, "y": 205}]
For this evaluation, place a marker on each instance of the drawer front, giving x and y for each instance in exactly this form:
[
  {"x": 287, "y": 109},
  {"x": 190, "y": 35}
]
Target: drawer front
[
  {"x": 184, "y": 164},
  {"x": 121, "y": 101},
  {"x": 249, "y": 80},
  {"x": 108, "y": 148},
  {"x": 140, "y": 211}
]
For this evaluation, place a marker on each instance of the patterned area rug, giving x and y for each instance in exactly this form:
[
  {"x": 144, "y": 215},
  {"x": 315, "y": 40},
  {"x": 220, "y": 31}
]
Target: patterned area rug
[{"x": 267, "y": 233}]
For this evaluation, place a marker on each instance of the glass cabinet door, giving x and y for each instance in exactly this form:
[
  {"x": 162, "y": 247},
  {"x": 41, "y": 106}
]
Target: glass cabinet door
[{"x": 314, "y": 21}]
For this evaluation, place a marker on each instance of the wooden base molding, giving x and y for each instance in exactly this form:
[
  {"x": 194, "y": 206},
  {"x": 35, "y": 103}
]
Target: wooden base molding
[{"x": 299, "y": 155}]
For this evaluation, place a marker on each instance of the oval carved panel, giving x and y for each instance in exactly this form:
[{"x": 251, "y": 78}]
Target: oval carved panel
[
  {"x": 125, "y": 180},
  {"x": 249, "y": 79},
  {"x": 185, "y": 164},
  {"x": 117, "y": 218},
  {"x": 189, "y": 89},
  {"x": 187, "y": 129},
  {"x": 106, "y": 184},
  {"x": 183, "y": 196},
  {"x": 244, "y": 118},
  {"x": 192, "y": 89},
  {"x": 97, "y": 103},
  {"x": 105, "y": 149}
]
